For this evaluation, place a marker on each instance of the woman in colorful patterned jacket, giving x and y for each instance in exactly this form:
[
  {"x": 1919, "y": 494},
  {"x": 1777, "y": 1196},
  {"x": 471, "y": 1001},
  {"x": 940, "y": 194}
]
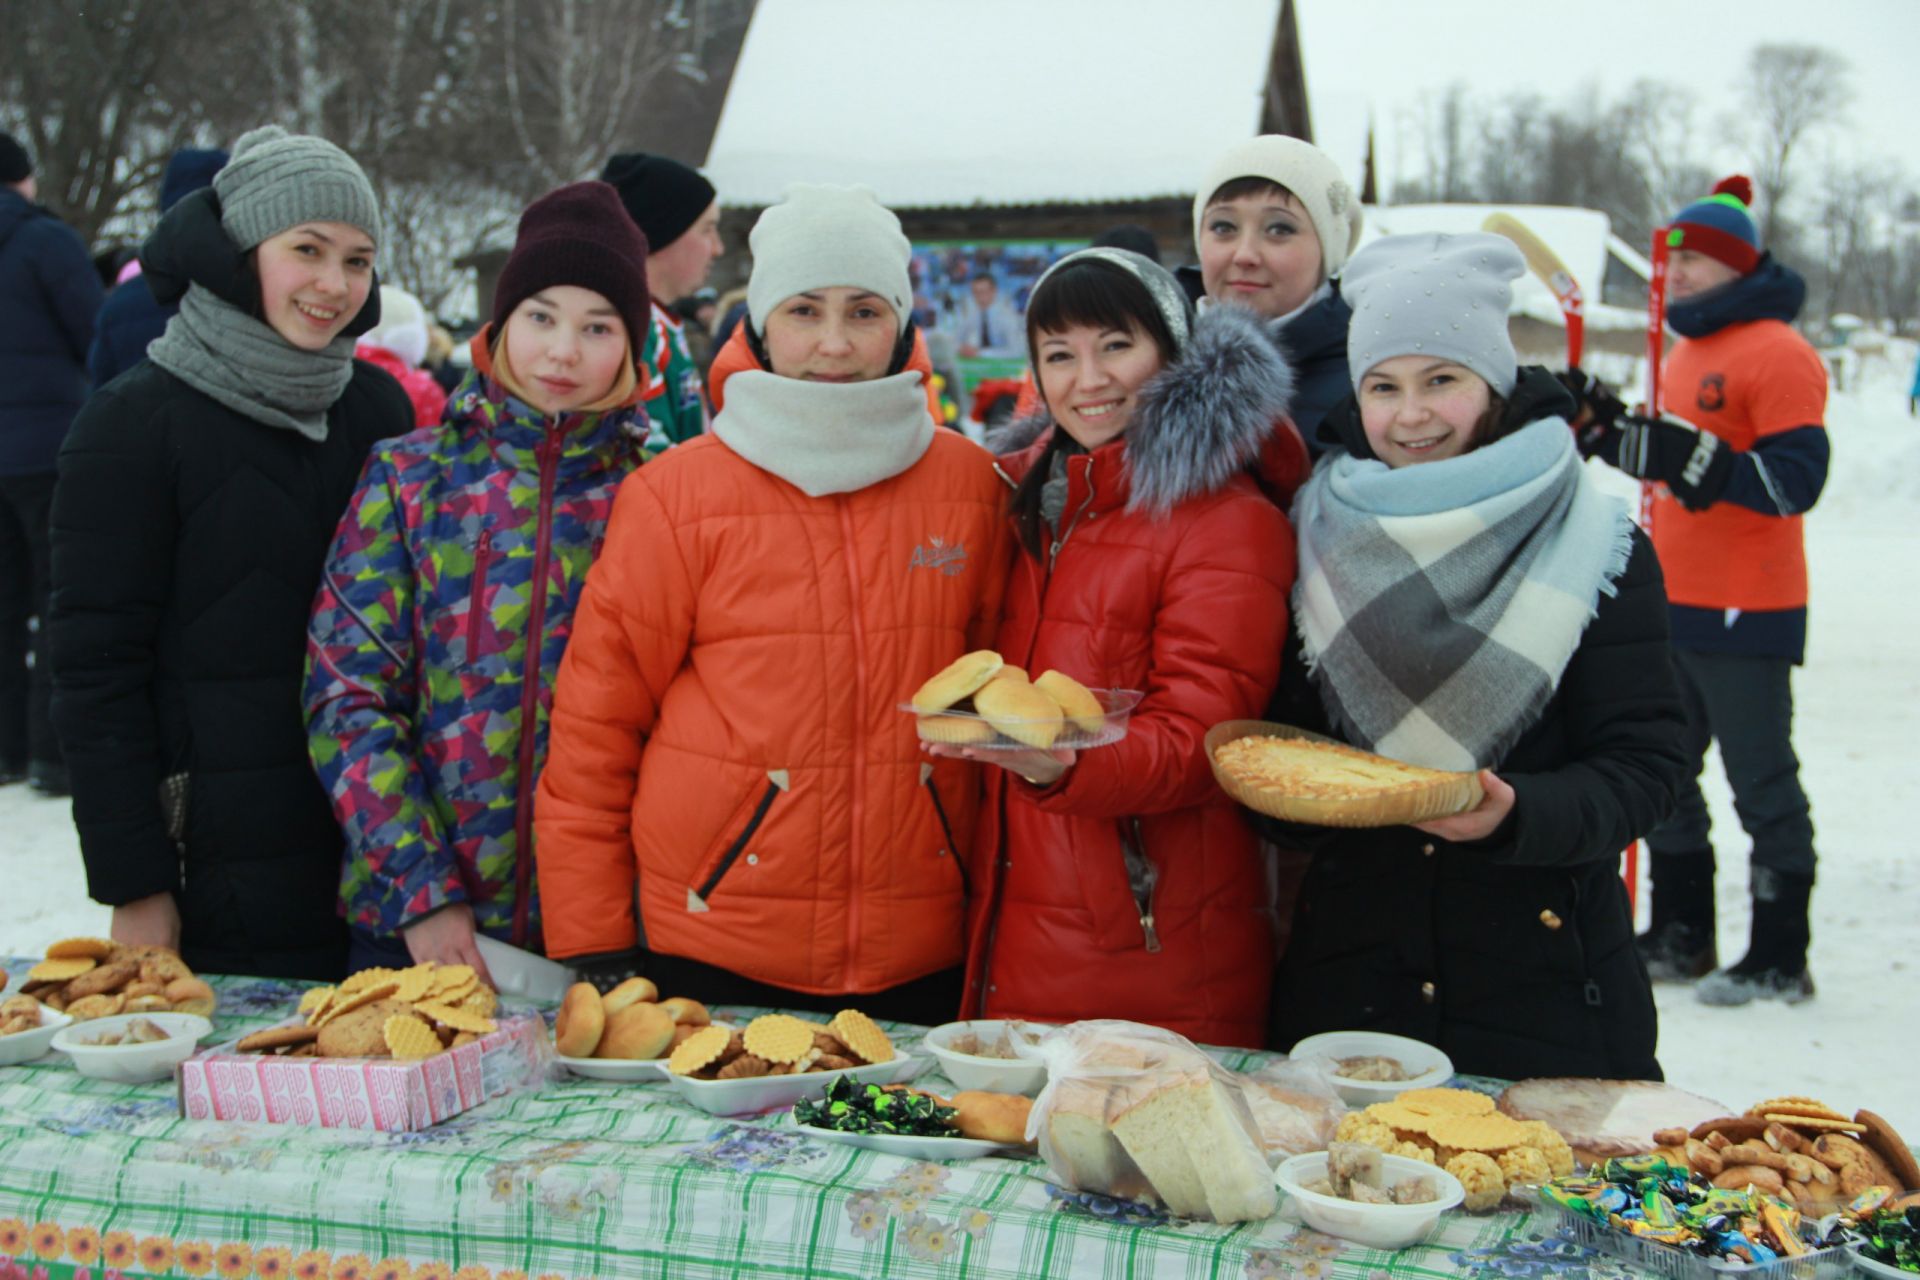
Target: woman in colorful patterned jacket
[
  {"x": 735, "y": 805},
  {"x": 450, "y": 591}
]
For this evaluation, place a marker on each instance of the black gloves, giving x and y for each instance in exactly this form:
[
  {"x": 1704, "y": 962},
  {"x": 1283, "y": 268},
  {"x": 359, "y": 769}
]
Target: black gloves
[
  {"x": 608, "y": 969},
  {"x": 1694, "y": 464},
  {"x": 1593, "y": 426}
]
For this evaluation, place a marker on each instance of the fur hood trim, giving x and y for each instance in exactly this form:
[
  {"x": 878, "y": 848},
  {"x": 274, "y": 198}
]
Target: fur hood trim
[{"x": 1201, "y": 421}]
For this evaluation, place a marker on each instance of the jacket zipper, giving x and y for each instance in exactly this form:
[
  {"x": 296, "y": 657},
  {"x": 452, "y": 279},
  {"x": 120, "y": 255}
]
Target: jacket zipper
[
  {"x": 477, "y": 608},
  {"x": 549, "y": 452},
  {"x": 1053, "y": 554},
  {"x": 859, "y": 751},
  {"x": 1134, "y": 853}
]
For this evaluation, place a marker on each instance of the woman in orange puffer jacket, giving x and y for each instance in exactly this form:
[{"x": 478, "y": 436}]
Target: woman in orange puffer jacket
[
  {"x": 733, "y": 804},
  {"x": 1123, "y": 883}
]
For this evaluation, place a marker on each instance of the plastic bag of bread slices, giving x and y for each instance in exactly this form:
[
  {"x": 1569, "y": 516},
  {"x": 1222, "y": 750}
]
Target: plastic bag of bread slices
[
  {"x": 1296, "y": 1106},
  {"x": 1138, "y": 1112}
]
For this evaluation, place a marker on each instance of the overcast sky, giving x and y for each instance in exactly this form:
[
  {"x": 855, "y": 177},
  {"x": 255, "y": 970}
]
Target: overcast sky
[{"x": 1393, "y": 50}]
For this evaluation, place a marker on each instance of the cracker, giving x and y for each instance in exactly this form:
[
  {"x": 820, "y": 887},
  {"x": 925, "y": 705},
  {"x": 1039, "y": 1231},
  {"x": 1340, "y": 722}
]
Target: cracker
[
  {"x": 480, "y": 1000},
  {"x": 1407, "y": 1120},
  {"x": 458, "y": 1019},
  {"x": 1822, "y": 1123},
  {"x": 81, "y": 948},
  {"x": 415, "y": 984},
  {"x": 346, "y": 1001},
  {"x": 698, "y": 1051},
  {"x": 62, "y": 970},
  {"x": 366, "y": 978},
  {"x": 778, "y": 1037},
  {"x": 1490, "y": 1134},
  {"x": 449, "y": 977},
  {"x": 1446, "y": 1102},
  {"x": 277, "y": 1038},
  {"x": 456, "y": 993},
  {"x": 1795, "y": 1105},
  {"x": 861, "y": 1034},
  {"x": 408, "y": 1037},
  {"x": 315, "y": 999}
]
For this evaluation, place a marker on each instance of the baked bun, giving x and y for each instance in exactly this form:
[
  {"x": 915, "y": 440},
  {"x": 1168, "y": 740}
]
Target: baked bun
[
  {"x": 686, "y": 1012},
  {"x": 1010, "y": 672},
  {"x": 1024, "y": 712},
  {"x": 1075, "y": 699},
  {"x": 991, "y": 1117},
  {"x": 960, "y": 730},
  {"x": 637, "y": 1031},
  {"x": 582, "y": 1019},
  {"x": 962, "y": 677},
  {"x": 632, "y": 991}
]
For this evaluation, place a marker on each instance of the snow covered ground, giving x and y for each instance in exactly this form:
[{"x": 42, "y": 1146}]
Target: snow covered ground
[{"x": 1859, "y": 1042}]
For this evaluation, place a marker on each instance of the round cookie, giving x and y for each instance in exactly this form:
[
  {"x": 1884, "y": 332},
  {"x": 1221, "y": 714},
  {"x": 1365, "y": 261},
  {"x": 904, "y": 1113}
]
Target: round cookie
[
  {"x": 103, "y": 978},
  {"x": 780, "y": 1038},
  {"x": 104, "y": 1005},
  {"x": 91, "y": 948},
  {"x": 862, "y": 1035},
  {"x": 698, "y": 1051},
  {"x": 581, "y": 1022},
  {"x": 61, "y": 970},
  {"x": 408, "y": 1037}
]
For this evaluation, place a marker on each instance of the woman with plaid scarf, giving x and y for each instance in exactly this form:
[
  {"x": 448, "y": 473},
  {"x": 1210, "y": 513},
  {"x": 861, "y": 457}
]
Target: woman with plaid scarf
[{"x": 1468, "y": 600}]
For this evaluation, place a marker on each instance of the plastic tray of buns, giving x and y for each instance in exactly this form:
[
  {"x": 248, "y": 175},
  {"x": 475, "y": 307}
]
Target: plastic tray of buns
[
  {"x": 1335, "y": 785},
  {"x": 963, "y": 728}
]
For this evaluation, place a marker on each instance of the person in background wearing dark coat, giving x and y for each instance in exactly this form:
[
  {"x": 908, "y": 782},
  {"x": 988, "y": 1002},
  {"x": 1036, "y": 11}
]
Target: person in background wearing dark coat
[
  {"x": 1273, "y": 224},
  {"x": 1536, "y": 654},
  {"x": 49, "y": 295},
  {"x": 198, "y": 495},
  {"x": 132, "y": 316}
]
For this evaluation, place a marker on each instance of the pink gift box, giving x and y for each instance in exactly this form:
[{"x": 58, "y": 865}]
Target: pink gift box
[{"x": 362, "y": 1093}]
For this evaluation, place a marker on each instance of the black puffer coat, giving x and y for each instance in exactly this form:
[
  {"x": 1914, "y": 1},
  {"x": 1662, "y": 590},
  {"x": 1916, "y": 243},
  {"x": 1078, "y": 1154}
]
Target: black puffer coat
[
  {"x": 188, "y": 542},
  {"x": 1514, "y": 954}
]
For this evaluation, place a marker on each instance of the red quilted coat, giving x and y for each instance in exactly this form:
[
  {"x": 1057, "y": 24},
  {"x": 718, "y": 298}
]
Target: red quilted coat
[{"x": 1133, "y": 888}]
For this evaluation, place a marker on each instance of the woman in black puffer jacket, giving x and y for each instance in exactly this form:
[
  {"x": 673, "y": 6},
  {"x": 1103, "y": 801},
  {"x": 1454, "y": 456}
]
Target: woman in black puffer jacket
[{"x": 198, "y": 494}]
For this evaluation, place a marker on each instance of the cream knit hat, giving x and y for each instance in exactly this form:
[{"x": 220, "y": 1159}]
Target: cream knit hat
[
  {"x": 820, "y": 237},
  {"x": 1305, "y": 170}
]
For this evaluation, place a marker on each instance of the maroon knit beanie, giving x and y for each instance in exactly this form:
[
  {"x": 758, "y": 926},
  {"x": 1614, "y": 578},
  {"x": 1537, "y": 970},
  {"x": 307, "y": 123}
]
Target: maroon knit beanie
[{"x": 579, "y": 235}]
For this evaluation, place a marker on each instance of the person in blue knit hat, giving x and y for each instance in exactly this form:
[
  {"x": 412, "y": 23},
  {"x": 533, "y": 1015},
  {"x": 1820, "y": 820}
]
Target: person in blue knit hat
[
  {"x": 132, "y": 317},
  {"x": 1735, "y": 455}
]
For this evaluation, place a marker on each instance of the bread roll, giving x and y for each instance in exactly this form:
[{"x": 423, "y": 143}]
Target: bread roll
[
  {"x": 992, "y": 1117},
  {"x": 961, "y": 678},
  {"x": 1023, "y": 712},
  {"x": 959, "y": 730},
  {"x": 637, "y": 1031},
  {"x": 686, "y": 1011},
  {"x": 581, "y": 1021},
  {"x": 632, "y": 991},
  {"x": 1075, "y": 699}
]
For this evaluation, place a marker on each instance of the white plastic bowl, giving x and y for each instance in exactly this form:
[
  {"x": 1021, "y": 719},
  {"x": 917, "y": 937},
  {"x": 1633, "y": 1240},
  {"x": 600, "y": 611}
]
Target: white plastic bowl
[
  {"x": 1428, "y": 1066},
  {"x": 132, "y": 1063},
  {"x": 974, "y": 1071},
  {"x": 1377, "y": 1226},
  {"x": 25, "y": 1046}
]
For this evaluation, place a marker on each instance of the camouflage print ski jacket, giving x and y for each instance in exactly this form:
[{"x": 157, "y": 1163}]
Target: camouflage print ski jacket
[{"x": 420, "y": 672}]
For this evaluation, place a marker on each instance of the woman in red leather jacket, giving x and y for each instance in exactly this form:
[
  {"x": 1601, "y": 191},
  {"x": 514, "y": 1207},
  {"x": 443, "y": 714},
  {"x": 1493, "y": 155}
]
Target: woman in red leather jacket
[{"x": 1119, "y": 882}]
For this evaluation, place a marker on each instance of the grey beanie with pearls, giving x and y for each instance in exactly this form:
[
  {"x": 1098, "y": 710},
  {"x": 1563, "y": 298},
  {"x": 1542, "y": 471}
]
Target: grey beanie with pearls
[
  {"x": 276, "y": 180},
  {"x": 1169, "y": 299},
  {"x": 824, "y": 237},
  {"x": 1437, "y": 295}
]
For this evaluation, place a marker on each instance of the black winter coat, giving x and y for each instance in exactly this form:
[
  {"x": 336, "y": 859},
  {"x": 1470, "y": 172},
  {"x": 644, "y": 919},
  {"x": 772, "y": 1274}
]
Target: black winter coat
[
  {"x": 1514, "y": 954},
  {"x": 188, "y": 542},
  {"x": 49, "y": 295},
  {"x": 130, "y": 318}
]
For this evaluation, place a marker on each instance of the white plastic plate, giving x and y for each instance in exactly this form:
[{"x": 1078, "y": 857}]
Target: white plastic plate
[
  {"x": 622, "y": 1070},
  {"x": 25, "y": 1046},
  {"x": 908, "y": 1146},
  {"x": 764, "y": 1093}
]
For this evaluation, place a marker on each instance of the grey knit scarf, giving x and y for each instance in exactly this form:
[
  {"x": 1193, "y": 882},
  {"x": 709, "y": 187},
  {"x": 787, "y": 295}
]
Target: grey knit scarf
[{"x": 216, "y": 348}]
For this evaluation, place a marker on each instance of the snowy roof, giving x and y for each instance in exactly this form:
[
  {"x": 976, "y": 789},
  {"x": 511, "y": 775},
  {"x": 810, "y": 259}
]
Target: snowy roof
[
  {"x": 1581, "y": 238},
  {"x": 944, "y": 103}
]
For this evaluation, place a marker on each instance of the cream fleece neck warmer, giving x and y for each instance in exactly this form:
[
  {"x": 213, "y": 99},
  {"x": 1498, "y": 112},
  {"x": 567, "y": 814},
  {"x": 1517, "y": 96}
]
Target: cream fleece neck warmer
[{"x": 824, "y": 438}]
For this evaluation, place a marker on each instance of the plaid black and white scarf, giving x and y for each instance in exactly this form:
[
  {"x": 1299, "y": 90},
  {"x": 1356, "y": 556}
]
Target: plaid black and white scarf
[{"x": 1440, "y": 602}]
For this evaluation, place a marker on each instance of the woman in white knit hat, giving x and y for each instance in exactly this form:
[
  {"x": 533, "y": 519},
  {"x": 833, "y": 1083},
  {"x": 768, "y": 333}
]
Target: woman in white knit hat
[
  {"x": 733, "y": 805},
  {"x": 1468, "y": 601},
  {"x": 197, "y": 496},
  {"x": 1273, "y": 224}
]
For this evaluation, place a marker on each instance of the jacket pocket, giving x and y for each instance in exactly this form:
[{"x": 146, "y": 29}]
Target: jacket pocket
[
  {"x": 477, "y": 594},
  {"x": 952, "y": 850},
  {"x": 708, "y": 880},
  {"x": 1142, "y": 879}
]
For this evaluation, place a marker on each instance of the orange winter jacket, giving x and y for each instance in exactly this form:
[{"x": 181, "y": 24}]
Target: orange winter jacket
[{"x": 730, "y": 779}]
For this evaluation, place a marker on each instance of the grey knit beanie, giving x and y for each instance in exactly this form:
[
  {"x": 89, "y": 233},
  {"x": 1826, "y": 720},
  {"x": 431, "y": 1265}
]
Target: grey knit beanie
[
  {"x": 1438, "y": 295},
  {"x": 277, "y": 180},
  {"x": 1161, "y": 285},
  {"x": 821, "y": 237}
]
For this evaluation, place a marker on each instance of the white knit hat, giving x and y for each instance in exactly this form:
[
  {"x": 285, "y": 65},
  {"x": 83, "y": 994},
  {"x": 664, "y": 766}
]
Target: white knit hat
[
  {"x": 402, "y": 328},
  {"x": 1306, "y": 171},
  {"x": 822, "y": 237}
]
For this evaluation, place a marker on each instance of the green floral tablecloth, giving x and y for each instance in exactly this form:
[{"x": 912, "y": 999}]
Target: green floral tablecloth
[{"x": 581, "y": 1179}]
